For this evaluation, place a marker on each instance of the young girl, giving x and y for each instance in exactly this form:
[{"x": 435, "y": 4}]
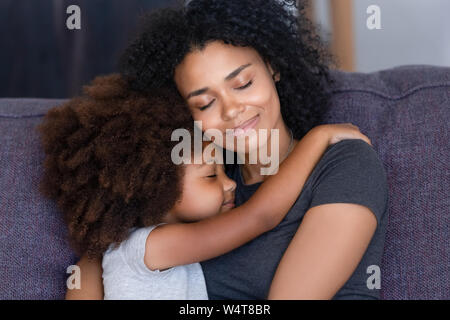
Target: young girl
[{"x": 109, "y": 167}]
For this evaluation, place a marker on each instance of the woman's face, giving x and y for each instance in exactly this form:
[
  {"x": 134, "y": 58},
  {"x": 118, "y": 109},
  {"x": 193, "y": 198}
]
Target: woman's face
[{"x": 228, "y": 87}]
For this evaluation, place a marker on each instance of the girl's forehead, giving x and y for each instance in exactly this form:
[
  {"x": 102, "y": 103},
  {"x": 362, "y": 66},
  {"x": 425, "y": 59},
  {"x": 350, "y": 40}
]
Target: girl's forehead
[{"x": 203, "y": 153}]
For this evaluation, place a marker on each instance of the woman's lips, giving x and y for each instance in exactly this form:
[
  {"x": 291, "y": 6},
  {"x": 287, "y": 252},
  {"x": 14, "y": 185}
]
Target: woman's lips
[{"x": 247, "y": 125}]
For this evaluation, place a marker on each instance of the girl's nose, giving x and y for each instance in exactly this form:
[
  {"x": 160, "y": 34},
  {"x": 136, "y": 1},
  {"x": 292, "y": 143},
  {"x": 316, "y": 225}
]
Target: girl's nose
[{"x": 229, "y": 185}]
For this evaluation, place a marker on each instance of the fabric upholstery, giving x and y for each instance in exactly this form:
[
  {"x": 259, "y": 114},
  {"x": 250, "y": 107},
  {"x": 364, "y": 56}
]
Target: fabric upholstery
[{"x": 405, "y": 111}]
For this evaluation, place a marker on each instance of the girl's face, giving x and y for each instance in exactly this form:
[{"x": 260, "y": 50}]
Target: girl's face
[
  {"x": 228, "y": 87},
  {"x": 207, "y": 191}
]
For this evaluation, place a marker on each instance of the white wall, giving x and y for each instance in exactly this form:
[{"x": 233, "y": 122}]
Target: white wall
[{"x": 412, "y": 32}]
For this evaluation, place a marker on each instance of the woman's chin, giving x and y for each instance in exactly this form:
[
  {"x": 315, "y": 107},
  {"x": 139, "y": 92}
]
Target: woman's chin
[
  {"x": 250, "y": 149},
  {"x": 247, "y": 145}
]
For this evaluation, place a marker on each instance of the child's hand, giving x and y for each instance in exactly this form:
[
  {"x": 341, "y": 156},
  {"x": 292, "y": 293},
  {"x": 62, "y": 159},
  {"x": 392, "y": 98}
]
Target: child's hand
[{"x": 341, "y": 131}]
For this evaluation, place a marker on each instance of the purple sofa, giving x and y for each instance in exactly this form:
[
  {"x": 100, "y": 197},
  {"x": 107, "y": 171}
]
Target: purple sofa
[{"x": 406, "y": 113}]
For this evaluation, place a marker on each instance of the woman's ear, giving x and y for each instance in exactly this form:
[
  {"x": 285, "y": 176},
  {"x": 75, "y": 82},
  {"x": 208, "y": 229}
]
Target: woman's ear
[{"x": 275, "y": 75}]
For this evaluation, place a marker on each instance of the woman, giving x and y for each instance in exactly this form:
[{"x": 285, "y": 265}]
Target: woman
[{"x": 254, "y": 64}]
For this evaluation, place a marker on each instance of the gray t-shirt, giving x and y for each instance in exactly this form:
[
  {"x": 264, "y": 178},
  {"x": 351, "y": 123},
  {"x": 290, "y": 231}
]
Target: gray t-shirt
[
  {"x": 348, "y": 172},
  {"x": 125, "y": 275}
]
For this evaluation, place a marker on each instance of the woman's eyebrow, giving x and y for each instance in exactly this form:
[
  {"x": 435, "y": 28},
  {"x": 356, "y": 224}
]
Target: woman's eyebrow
[
  {"x": 227, "y": 78},
  {"x": 236, "y": 72}
]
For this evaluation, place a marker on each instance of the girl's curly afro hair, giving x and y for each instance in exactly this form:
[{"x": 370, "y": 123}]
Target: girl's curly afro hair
[
  {"x": 277, "y": 29},
  {"x": 108, "y": 160}
]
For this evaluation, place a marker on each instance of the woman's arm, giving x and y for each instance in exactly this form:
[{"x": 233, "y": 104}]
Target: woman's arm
[
  {"x": 324, "y": 253},
  {"x": 91, "y": 281},
  {"x": 347, "y": 205},
  {"x": 179, "y": 244}
]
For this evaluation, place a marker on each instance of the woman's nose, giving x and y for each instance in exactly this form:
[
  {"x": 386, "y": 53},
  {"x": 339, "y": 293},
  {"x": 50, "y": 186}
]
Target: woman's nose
[{"x": 231, "y": 108}]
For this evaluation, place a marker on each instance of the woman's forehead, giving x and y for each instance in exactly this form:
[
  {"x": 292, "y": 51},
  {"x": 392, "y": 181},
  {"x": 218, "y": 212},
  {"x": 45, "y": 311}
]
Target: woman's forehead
[{"x": 216, "y": 60}]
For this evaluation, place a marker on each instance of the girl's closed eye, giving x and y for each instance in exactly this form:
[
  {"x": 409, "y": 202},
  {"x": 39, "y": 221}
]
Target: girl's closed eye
[{"x": 212, "y": 174}]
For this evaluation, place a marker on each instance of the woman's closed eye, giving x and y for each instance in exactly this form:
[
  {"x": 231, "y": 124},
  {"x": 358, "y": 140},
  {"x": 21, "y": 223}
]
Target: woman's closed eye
[
  {"x": 209, "y": 104},
  {"x": 248, "y": 84}
]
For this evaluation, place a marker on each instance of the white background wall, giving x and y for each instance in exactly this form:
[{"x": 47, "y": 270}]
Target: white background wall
[{"x": 413, "y": 32}]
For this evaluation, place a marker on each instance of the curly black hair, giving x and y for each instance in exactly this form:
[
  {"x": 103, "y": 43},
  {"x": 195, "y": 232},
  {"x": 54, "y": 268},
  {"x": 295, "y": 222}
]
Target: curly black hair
[
  {"x": 278, "y": 30},
  {"x": 108, "y": 160}
]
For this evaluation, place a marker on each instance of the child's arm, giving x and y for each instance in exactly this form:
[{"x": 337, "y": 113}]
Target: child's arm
[{"x": 185, "y": 243}]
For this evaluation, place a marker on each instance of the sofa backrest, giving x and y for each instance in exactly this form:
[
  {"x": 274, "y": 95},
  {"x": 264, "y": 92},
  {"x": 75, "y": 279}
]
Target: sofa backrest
[
  {"x": 34, "y": 251},
  {"x": 406, "y": 113}
]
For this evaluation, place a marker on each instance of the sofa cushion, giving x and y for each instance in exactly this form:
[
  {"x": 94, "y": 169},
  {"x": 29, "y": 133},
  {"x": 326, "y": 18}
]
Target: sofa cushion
[
  {"x": 405, "y": 112},
  {"x": 34, "y": 252}
]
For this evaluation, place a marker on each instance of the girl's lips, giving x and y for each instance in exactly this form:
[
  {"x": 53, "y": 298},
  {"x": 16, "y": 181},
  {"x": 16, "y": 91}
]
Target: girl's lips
[
  {"x": 229, "y": 203},
  {"x": 247, "y": 125}
]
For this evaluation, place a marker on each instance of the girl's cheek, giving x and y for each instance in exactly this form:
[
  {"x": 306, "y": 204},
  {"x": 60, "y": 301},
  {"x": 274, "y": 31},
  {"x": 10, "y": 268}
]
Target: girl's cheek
[{"x": 218, "y": 193}]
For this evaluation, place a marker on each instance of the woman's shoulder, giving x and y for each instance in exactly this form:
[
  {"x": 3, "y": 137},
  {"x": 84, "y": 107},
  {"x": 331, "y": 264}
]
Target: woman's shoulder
[
  {"x": 350, "y": 171},
  {"x": 352, "y": 148},
  {"x": 351, "y": 155}
]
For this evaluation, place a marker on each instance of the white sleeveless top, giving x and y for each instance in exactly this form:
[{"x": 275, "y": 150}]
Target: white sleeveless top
[{"x": 125, "y": 275}]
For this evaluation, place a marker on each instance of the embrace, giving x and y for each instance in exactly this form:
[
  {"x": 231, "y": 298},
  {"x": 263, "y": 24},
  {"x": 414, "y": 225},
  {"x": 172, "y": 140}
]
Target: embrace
[{"x": 147, "y": 228}]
